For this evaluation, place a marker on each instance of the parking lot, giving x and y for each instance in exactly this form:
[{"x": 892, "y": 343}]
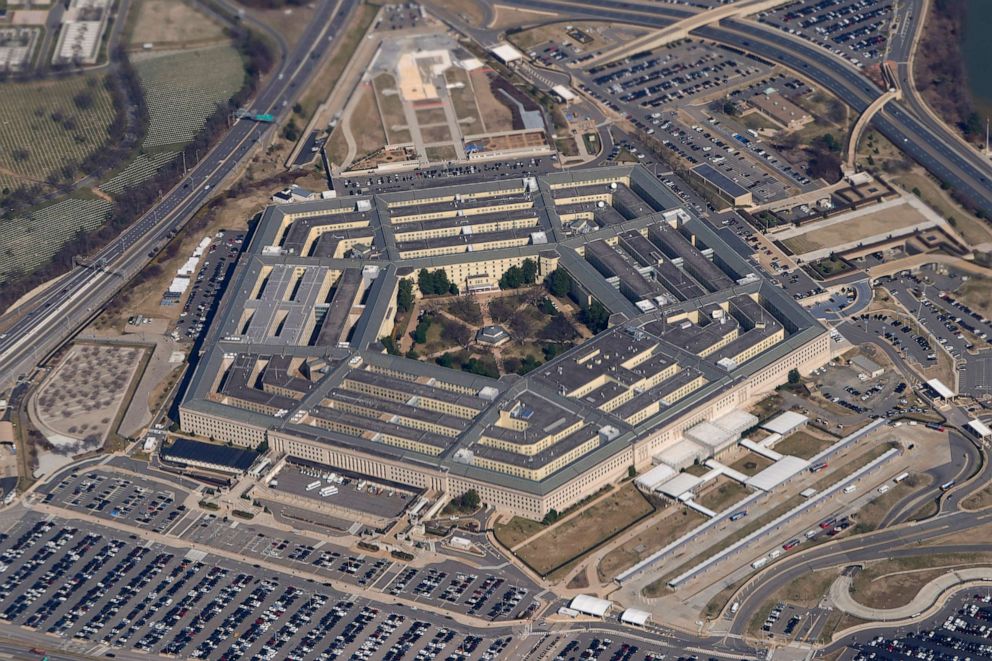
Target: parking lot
[
  {"x": 120, "y": 496},
  {"x": 964, "y": 633},
  {"x": 218, "y": 265},
  {"x": 857, "y": 30},
  {"x": 86, "y": 585},
  {"x": 350, "y": 492},
  {"x": 448, "y": 175},
  {"x": 683, "y": 73}
]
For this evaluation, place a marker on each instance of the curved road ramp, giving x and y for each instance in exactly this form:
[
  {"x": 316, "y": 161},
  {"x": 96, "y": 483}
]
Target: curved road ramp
[{"x": 928, "y": 596}]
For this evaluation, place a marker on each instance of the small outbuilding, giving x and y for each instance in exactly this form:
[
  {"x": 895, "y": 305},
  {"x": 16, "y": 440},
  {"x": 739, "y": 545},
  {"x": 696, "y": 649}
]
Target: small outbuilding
[
  {"x": 506, "y": 53},
  {"x": 492, "y": 335}
]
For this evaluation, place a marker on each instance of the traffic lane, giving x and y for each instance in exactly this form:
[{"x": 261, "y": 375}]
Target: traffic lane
[{"x": 885, "y": 543}]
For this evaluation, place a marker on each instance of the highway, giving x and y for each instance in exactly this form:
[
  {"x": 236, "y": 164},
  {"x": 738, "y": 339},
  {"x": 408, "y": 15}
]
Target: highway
[
  {"x": 54, "y": 315},
  {"x": 922, "y": 137}
]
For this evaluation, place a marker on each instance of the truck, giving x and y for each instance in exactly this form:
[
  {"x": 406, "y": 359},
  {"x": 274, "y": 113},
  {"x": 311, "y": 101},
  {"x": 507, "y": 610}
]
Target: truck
[
  {"x": 759, "y": 563},
  {"x": 900, "y": 477},
  {"x": 314, "y": 485}
]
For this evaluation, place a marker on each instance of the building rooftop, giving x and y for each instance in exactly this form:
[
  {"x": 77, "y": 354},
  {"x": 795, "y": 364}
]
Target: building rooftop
[{"x": 294, "y": 346}]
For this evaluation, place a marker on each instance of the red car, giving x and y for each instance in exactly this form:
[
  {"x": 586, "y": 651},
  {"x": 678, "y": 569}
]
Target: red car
[{"x": 791, "y": 544}]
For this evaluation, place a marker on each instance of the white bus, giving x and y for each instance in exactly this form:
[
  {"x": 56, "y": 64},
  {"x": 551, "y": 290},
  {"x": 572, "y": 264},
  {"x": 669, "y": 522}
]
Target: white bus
[{"x": 900, "y": 477}]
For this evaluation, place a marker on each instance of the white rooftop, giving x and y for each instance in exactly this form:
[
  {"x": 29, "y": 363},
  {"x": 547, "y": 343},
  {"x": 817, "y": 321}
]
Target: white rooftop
[
  {"x": 563, "y": 92},
  {"x": 980, "y": 428},
  {"x": 506, "y": 53},
  {"x": 736, "y": 421},
  {"x": 654, "y": 477},
  {"x": 591, "y": 605},
  {"x": 711, "y": 436},
  {"x": 940, "y": 388},
  {"x": 680, "y": 484},
  {"x": 785, "y": 422},
  {"x": 777, "y": 473},
  {"x": 634, "y": 616},
  {"x": 682, "y": 454}
]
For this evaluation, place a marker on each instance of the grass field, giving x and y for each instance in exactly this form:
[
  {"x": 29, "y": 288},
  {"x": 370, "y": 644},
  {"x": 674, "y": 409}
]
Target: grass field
[
  {"x": 802, "y": 444},
  {"x": 33, "y": 240},
  {"x": 751, "y": 464},
  {"x": 724, "y": 493},
  {"x": 463, "y": 100},
  {"x": 585, "y": 530},
  {"x": 391, "y": 108},
  {"x": 431, "y": 116},
  {"x": 366, "y": 128},
  {"x": 516, "y": 531},
  {"x": 184, "y": 87},
  {"x": 495, "y": 116},
  {"x": 856, "y": 229},
  {"x": 894, "y": 583},
  {"x": 670, "y": 526},
  {"x": 441, "y": 153},
  {"x": 435, "y": 134},
  {"x": 50, "y": 123},
  {"x": 172, "y": 22}
]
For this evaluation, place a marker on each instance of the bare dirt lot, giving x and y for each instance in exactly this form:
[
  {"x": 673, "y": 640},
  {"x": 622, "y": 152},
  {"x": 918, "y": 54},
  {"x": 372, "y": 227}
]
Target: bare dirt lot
[
  {"x": 81, "y": 398},
  {"x": 669, "y": 526},
  {"x": 495, "y": 115}
]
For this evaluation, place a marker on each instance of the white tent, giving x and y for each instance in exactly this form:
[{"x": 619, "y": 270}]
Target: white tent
[
  {"x": 506, "y": 53},
  {"x": 588, "y": 605},
  {"x": 979, "y": 428},
  {"x": 636, "y": 617}
]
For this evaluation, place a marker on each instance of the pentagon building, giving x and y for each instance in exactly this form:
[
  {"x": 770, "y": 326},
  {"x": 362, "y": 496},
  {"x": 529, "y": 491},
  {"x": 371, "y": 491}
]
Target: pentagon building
[{"x": 293, "y": 357}]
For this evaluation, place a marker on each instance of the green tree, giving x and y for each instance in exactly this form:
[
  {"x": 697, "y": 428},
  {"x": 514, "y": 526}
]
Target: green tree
[
  {"x": 529, "y": 271},
  {"x": 470, "y": 499},
  {"x": 512, "y": 278},
  {"x": 631, "y": 472},
  {"x": 390, "y": 344},
  {"x": 794, "y": 377},
  {"x": 596, "y": 317},
  {"x": 550, "y": 517},
  {"x": 420, "y": 332},
  {"x": 404, "y": 296},
  {"x": 559, "y": 283}
]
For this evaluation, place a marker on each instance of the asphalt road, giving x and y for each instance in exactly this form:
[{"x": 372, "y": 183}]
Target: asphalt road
[{"x": 56, "y": 314}]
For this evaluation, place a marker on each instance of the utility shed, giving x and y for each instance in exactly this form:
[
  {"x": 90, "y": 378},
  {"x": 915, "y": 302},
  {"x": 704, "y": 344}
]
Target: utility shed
[
  {"x": 786, "y": 423},
  {"x": 636, "y": 617},
  {"x": 588, "y": 605},
  {"x": 779, "y": 472},
  {"x": 868, "y": 366}
]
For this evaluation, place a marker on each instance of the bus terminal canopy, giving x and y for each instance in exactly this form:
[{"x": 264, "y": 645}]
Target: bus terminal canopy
[{"x": 591, "y": 605}]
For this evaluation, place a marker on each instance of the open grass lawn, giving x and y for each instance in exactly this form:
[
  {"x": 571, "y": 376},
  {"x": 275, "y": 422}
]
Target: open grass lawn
[
  {"x": 47, "y": 124},
  {"x": 585, "y": 530},
  {"x": 516, "y": 531},
  {"x": 751, "y": 464},
  {"x": 894, "y": 583},
  {"x": 670, "y": 524},
  {"x": 495, "y": 115},
  {"x": 439, "y": 153},
  {"x": 390, "y": 105},
  {"x": 466, "y": 309},
  {"x": 720, "y": 495},
  {"x": 567, "y": 146},
  {"x": 431, "y": 116},
  {"x": 172, "y": 22},
  {"x": 366, "y": 128},
  {"x": 435, "y": 134},
  {"x": 802, "y": 444},
  {"x": 463, "y": 100}
]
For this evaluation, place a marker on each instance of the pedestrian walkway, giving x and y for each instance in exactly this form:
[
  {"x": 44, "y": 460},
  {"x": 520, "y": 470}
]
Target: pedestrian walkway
[{"x": 927, "y": 597}]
